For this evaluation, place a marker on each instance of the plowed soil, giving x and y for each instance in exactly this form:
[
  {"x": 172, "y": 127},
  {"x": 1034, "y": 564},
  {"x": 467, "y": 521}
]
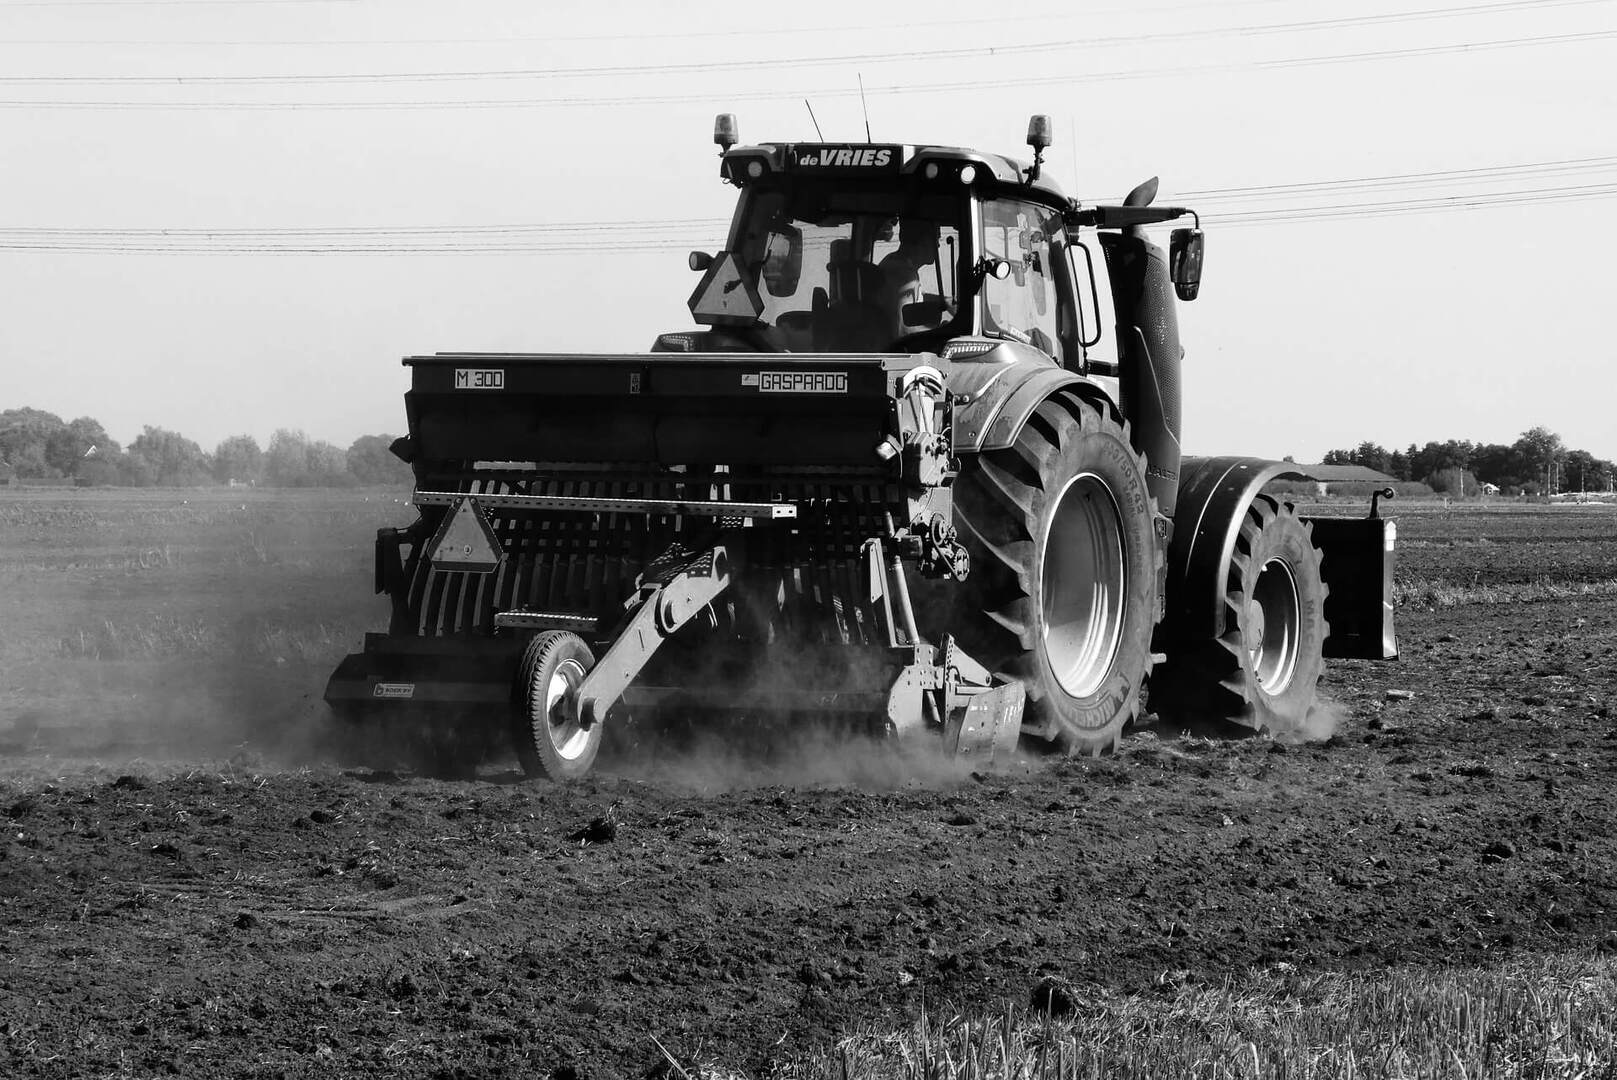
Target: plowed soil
[{"x": 187, "y": 887}]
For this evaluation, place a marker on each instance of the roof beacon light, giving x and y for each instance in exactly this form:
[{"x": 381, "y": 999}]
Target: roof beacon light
[
  {"x": 1038, "y": 137},
  {"x": 1038, "y": 132},
  {"x": 724, "y": 131}
]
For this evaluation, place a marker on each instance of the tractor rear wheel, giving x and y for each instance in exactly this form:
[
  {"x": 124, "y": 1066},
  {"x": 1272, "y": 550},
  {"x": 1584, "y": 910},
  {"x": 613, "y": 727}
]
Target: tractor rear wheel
[
  {"x": 1263, "y": 671},
  {"x": 1066, "y": 571},
  {"x": 550, "y": 739}
]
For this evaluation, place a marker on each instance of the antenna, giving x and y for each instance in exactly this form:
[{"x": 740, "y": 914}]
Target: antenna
[
  {"x": 864, "y": 106},
  {"x": 810, "y": 108}
]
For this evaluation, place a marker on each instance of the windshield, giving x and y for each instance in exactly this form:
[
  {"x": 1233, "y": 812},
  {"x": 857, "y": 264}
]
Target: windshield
[{"x": 849, "y": 270}]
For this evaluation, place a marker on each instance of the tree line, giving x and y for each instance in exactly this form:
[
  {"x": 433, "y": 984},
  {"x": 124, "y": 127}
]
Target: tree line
[
  {"x": 37, "y": 445},
  {"x": 1537, "y": 463}
]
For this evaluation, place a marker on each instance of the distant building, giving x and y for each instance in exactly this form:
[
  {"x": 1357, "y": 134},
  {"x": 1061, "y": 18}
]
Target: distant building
[{"x": 1490, "y": 489}]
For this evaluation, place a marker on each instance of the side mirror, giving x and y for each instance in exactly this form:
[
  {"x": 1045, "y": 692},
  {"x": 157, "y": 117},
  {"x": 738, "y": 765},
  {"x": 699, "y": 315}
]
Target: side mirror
[
  {"x": 699, "y": 260},
  {"x": 783, "y": 260},
  {"x": 1185, "y": 262},
  {"x": 996, "y": 268}
]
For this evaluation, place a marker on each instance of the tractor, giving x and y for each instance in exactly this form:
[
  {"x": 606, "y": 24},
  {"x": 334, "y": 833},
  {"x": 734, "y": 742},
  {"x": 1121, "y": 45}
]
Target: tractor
[{"x": 917, "y": 467}]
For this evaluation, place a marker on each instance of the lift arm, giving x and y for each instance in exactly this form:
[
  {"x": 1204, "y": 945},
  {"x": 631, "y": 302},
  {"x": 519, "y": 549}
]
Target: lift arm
[{"x": 685, "y": 589}]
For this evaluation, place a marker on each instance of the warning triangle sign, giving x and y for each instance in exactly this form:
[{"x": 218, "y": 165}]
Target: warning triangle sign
[
  {"x": 726, "y": 295},
  {"x": 466, "y": 541}
]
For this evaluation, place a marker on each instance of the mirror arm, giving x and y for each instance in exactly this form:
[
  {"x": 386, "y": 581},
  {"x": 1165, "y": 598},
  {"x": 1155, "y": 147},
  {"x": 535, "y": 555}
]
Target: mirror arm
[{"x": 1121, "y": 217}]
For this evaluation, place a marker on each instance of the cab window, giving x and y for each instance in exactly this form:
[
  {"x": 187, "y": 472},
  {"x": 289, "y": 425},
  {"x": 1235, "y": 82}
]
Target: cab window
[{"x": 1025, "y": 305}]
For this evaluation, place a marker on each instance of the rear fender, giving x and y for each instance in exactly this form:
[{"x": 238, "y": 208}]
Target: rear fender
[
  {"x": 993, "y": 401},
  {"x": 1356, "y": 558},
  {"x": 1213, "y": 496}
]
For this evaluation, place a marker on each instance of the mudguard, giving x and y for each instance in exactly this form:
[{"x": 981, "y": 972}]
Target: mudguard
[
  {"x": 1357, "y": 558},
  {"x": 1213, "y": 495},
  {"x": 996, "y": 395}
]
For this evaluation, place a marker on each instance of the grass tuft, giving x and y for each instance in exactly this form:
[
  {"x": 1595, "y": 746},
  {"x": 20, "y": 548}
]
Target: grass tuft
[
  {"x": 1546, "y": 1018},
  {"x": 1443, "y": 594}
]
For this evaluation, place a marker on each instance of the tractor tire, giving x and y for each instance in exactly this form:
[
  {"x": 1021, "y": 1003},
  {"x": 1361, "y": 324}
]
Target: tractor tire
[
  {"x": 550, "y": 740},
  {"x": 1263, "y": 671},
  {"x": 1067, "y": 571}
]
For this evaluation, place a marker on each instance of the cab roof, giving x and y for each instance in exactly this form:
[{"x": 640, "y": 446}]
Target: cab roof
[{"x": 852, "y": 160}]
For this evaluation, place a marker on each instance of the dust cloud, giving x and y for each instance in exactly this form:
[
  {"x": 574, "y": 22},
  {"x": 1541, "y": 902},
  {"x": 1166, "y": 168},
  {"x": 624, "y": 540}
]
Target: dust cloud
[
  {"x": 718, "y": 758},
  {"x": 1322, "y": 721},
  {"x": 211, "y": 653}
]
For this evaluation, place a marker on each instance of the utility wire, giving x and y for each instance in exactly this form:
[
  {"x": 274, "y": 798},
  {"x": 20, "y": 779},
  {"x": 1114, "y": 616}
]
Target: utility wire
[
  {"x": 796, "y": 31},
  {"x": 740, "y": 64},
  {"x": 168, "y": 242},
  {"x": 676, "y": 35},
  {"x": 731, "y": 95},
  {"x": 1243, "y": 202},
  {"x": 1494, "y": 172}
]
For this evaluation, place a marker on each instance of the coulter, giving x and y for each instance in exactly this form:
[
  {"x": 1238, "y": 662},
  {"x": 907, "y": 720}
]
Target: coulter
[{"x": 918, "y": 469}]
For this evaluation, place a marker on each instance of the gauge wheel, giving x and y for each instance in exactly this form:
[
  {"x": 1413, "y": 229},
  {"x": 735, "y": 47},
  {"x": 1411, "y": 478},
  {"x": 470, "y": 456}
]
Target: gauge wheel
[{"x": 550, "y": 738}]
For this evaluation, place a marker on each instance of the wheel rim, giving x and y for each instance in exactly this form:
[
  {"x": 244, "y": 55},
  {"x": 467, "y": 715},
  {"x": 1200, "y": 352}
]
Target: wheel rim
[
  {"x": 1273, "y": 642},
  {"x": 568, "y": 737},
  {"x": 1084, "y": 584}
]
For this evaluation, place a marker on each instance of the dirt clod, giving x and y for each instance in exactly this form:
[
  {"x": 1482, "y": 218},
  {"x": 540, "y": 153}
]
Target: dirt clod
[
  {"x": 601, "y": 830},
  {"x": 1054, "y": 996}
]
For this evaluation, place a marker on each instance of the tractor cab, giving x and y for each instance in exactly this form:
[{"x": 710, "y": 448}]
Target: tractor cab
[{"x": 874, "y": 248}]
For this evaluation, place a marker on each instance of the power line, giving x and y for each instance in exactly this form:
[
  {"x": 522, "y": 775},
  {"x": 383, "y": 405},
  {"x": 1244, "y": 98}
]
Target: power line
[
  {"x": 1493, "y": 172},
  {"x": 1437, "y": 204},
  {"x": 738, "y": 64},
  {"x": 708, "y": 226},
  {"x": 579, "y": 237},
  {"x": 678, "y": 35},
  {"x": 731, "y": 96}
]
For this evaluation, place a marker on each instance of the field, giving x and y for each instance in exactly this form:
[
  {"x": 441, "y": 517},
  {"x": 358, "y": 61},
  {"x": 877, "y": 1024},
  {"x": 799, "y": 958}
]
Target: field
[{"x": 189, "y": 885}]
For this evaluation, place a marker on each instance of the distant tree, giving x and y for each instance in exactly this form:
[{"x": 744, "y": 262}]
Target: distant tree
[
  {"x": 286, "y": 462},
  {"x": 1337, "y": 457},
  {"x": 69, "y": 446},
  {"x": 1539, "y": 450},
  {"x": 1495, "y": 463},
  {"x": 101, "y": 468},
  {"x": 25, "y": 436},
  {"x": 294, "y": 460},
  {"x": 371, "y": 462},
  {"x": 169, "y": 458},
  {"x": 135, "y": 469},
  {"x": 1582, "y": 471},
  {"x": 1434, "y": 457},
  {"x": 1453, "y": 480},
  {"x": 1373, "y": 456},
  {"x": 328, "y": 465},
  {"x": 238, "y": 458},
  {"x": 1398, "y": 465}
]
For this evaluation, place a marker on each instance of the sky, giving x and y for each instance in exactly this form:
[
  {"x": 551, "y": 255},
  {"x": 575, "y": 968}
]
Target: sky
[{"x": 1408, "y": 203}]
